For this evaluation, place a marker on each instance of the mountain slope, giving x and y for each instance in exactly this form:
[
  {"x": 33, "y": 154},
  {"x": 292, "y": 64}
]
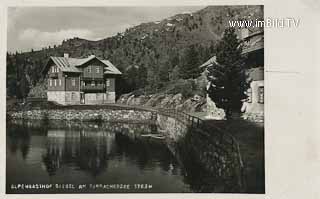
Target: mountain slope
[{"x": 158, "y": 47}]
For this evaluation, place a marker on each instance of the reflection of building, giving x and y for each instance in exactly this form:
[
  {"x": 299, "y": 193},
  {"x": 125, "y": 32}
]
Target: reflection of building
[
  {"x": 55, "y": 150},
  {"x": 86, "y": 81},
  {"x": 88, "y": 150}
]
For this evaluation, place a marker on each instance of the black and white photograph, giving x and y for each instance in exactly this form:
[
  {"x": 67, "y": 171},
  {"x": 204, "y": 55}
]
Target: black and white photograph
[{"x": 156, "y": 99}]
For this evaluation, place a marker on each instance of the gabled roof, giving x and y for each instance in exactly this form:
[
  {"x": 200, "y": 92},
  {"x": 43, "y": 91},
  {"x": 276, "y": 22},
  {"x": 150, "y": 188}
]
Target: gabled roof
[
  {"x": 64, "y": 64},
  {"x": 210, "y": 62},
  {"x": 253, "y": 42},
  {"x": 67, "y": 64},
  {"x": 110, "y": 69}
]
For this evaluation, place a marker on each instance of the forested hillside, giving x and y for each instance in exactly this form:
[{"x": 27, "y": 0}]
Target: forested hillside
[{"x": 150, "y": 55}]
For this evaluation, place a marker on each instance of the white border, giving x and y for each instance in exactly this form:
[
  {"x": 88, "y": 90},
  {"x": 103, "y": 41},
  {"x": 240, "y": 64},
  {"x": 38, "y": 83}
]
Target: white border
[{"x": 292, "y": 135}]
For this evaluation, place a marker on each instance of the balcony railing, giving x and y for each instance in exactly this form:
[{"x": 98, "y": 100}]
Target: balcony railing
[
  {"x": 100, "y": 87},
  {"x": 53, "y": 75}
]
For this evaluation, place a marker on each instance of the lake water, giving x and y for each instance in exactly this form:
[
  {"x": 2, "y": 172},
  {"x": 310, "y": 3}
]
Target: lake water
[{"x": 63, "y": 157}]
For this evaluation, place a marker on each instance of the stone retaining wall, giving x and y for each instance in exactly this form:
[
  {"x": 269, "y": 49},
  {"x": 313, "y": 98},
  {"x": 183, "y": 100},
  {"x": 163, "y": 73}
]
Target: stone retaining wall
[
  {"x": 171, "y": 128},
  {"x": 85, "y": 115}
]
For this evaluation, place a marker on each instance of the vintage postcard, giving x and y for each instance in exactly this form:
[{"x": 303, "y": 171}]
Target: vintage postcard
[
  {"x": 135, "y": 99},
  {"x": 139, "y": 99}
]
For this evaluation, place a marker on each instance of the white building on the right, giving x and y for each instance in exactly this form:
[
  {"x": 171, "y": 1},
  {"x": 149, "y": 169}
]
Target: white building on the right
[
  {"x": 253, "y": 49},
  {"x": 253, "y": 106}
]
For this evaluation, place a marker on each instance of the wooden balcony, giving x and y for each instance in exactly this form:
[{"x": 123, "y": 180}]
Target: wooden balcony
[
  {"x": 89, "y": 87},
  {"x": 53, "y": 75}
]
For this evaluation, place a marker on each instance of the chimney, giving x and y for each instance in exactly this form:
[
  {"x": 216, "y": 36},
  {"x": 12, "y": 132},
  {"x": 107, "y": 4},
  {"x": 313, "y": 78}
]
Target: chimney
[
  {"x": 66, "y": 55},
  {"x": 244, "y": 32}
]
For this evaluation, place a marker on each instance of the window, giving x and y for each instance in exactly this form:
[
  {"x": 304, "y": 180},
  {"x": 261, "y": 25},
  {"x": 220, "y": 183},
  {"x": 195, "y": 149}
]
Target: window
[
  {"x": 60, "y": 82},
  {"x": 92, "y": 83},
  {"x": 50, "y": 82},
  {"x": 98, "y": 69},
  {"x": 261, "y": 94},
  {"x": 73, "y": 96},
  {"x": 249, "y": 94},
  {"x": 108, "y": 82},
  {"x": 52, "y": 69},
  {"x": 55, "y": 82},
  {"x": 73, "y": 82},
  {"x": 89, "y": 69}
]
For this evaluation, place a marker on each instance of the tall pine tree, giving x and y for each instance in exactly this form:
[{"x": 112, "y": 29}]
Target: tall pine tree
[
  {"x": 190, "y": 65},
  {"x": 228, "y": 78}
]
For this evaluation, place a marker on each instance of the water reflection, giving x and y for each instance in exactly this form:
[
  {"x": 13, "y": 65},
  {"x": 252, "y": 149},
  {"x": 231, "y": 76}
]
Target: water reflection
[
  {"x": 19, "y": 140},
  {"x": 73, "y": 152},
  {"x": 100, "y": 151},
  {"x": 86, "y": 150}
]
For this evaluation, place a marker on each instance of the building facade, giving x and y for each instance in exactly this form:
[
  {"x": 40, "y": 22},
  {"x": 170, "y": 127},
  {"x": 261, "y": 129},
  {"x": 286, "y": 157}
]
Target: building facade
[
  {"x": 253, "y": 106},
  {"x": 253, "y": 50},
  {"x": 80, "y": 81}
]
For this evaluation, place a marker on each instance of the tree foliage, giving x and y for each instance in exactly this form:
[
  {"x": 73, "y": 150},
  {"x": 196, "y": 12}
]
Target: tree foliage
[
  {"x": 227, "y": 77},
  {"x": 189, "y": 67}
]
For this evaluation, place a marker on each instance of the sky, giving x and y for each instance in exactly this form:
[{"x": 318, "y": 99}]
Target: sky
[{"x": 36, "y": 27}]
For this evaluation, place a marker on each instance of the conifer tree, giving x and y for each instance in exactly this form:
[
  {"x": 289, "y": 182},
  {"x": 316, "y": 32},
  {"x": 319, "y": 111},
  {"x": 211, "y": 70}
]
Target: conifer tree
[
  {"x": 227, "y": 77},
  {"x": 190, "y": 66}
]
